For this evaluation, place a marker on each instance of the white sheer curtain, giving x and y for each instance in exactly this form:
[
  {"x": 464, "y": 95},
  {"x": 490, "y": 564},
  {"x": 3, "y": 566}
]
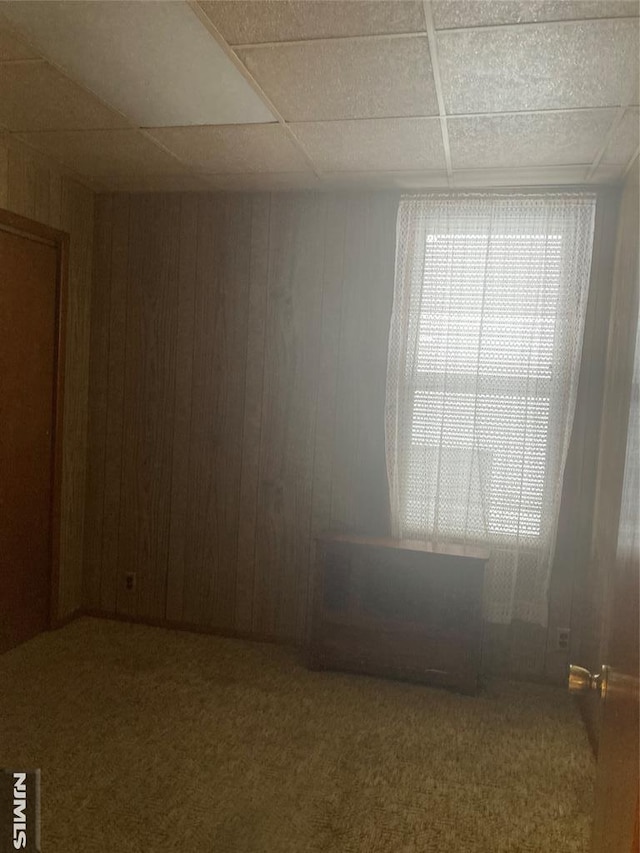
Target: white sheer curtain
[{"x": 484, "y": 354}]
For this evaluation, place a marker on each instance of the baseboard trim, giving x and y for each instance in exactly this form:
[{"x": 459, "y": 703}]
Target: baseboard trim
[
  {"x": 191, "y": 627},
  {"x": 61, "y": 621}
]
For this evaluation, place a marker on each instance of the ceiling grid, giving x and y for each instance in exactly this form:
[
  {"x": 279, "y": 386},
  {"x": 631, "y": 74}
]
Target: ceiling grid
[
  {"x": 208, "y": 23},
  {"x": 306, "y": 94},
  {"x": 433, "y": 50}
]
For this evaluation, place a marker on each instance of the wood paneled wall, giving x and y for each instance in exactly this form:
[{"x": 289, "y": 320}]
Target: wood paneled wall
[
  {"x": 31, "y": 188},
  {"x": 239, "y": 347},
  {"x": 576, "y": 518},
  {"x": 593, "y": 593},
  {"x": 526, "y": 650}
]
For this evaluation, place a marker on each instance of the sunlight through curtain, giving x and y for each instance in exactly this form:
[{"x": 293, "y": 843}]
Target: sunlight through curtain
[{"x": 484, "y": 356}]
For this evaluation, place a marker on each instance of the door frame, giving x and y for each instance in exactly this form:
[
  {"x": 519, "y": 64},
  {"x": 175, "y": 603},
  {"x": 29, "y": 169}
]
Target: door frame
[{"x": 13, "y": 223}]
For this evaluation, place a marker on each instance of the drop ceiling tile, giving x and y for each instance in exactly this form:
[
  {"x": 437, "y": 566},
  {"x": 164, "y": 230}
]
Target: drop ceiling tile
[
  {"x": 265, "y": 182},
  {"x": 282, "y": 20},
  {"x": 155, "y": 62},
  {"x": 105, "y": 152},
  {"x": 540, "y": 66},
  {"x": 346, "y": 79},
  {"x": 624, "y": 141},
  {"x": 12, "y": 46},
  {"x": 539, "y": 139},
  {"x": 154, "y": 183},
  {"x": 376, "y": 144},
  {"x": 472, "y": 13},
  {"x": 233, "y": 148},
  {"x": 520, "y": 177},
  {"x": 35, "y": 96},
  {"x": 403, "y": 180}
]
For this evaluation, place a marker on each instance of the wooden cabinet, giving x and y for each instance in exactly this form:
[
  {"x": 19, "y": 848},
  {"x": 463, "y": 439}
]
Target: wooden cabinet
[{"x": 399, "y": 608}]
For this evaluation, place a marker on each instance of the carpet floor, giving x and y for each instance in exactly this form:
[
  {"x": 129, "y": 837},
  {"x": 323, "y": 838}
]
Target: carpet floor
[{"x": 153, "y": 741}]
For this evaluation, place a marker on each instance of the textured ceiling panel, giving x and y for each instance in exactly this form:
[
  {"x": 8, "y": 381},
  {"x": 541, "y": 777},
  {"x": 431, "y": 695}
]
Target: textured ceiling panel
[
  {"x": 540, "y": 66},
  {"x": 155, "y": 62},
  {"x": 541, "y": 139},
  {"x": 363, "y": 109},
  {"x": 478, "y": 13},
  {"x": 377, "y": 144},
  {"x": 282, "y": 20},
  {"x": 525, "y": 177},
  {"x": 265, "y": 182},
  {"x": 105, "y": 152},
  {"x": 233, "y": 148},
  {"x": 346, "y": 79},
  {"x": 14, "y": 47},
  {"x": 35, "y": 96},
  {"x": 624, "y": 141}
]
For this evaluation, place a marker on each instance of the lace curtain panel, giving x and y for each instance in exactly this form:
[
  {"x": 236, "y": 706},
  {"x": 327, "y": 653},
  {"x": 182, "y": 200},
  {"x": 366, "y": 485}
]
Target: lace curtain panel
[{"x": 484, "y": 355}]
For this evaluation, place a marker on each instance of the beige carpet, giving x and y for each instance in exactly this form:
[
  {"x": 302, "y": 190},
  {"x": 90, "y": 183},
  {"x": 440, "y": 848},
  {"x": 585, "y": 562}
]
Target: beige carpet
[{"x": 152, "y": 740}]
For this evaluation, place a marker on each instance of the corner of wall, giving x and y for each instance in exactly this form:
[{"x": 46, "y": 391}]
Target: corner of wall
[{"x": 37, "y": 189}]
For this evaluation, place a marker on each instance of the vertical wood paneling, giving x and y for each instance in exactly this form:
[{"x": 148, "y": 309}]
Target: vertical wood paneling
[
  {"x": 269, "y": 539},
  {"x": 345, "y": 436},
  {"x": 98, "y": 384},
  {"x": 576, "y": 513},
  {"x": 75, "y": 208},
  {"x": 4, "y": 176},
  {"x": 231, "y": 356},
  {"x": 288, "y": 425},
  {"x": 359, "y": 494},
  {"x": 162, "y": 279},
  {"x": 185, "y": 308},
  {"x": 32, "y": 188},
  {"x": 115, "y": 372},
  {"x": 42, "y": 194},
  {"x": 204, "y": 441},
  {"x": 335, "y": 232},
  {"x": 56, "y": 186},
  {"x": 618, "y": 378},
  {"x": 147, "y": 424},
  {"x": 222, "y": 292},
  {"x": 307, "y": 290},
  {"x": 372, "y": 496},
  {"x": 252, "y": 417},
  {"x": 246, "y": 425},
  {"x": 20, "y": 183},
  {"x": 217, "y": 412}
]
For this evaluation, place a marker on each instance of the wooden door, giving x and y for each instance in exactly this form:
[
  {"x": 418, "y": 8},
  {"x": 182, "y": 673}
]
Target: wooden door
[
  {"x": 30, "y": 263},
  {"x": 615, "y": 827}
]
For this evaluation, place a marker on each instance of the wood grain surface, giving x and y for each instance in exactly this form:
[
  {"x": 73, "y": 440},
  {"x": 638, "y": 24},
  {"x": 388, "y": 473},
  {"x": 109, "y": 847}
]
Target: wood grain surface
[
  {"x": 36, "y": 189},
  {"x": 248, "y": 383},
  {"x": 237, "y": 400}
]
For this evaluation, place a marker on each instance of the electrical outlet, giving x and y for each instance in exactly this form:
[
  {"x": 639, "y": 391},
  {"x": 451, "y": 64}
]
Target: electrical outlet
[
  {"x": 130, "y": 581},
  {"x": 563, "y": 637}
]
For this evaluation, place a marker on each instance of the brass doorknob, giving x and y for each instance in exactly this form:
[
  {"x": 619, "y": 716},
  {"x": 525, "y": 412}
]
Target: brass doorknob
[{"x": 582, "y": 681}]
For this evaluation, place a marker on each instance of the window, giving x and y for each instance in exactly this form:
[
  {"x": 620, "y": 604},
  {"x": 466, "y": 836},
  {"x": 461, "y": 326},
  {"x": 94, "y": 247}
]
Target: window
[{"x": 489, "y": 306}]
